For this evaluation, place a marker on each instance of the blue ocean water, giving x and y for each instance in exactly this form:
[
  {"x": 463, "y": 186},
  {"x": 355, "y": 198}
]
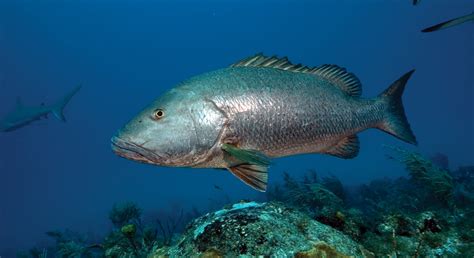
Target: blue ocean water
[{"x": 57, "y": 175}]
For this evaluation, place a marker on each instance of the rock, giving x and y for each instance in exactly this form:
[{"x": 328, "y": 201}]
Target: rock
[
  {"x": 321, "y": 249},
  {"x": 268, "y": 229}
]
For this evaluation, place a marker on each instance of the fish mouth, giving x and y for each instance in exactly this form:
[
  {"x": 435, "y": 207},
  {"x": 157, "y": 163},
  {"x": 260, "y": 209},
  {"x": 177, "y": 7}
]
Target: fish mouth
[{"x": 134, "y": 151}]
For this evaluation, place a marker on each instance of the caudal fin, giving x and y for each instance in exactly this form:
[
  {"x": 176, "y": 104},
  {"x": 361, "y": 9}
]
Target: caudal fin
[
  {"x": 59, "y": 107},
  {"x": 395, "y": 122}
]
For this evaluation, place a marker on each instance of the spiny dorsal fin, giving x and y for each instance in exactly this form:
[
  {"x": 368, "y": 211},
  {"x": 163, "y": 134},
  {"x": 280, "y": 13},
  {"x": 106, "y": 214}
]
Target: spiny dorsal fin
[
  {"x": 338, "y": 76},
  {"x": 346, "y": 148},
  {"x": 259, "y": 60}
]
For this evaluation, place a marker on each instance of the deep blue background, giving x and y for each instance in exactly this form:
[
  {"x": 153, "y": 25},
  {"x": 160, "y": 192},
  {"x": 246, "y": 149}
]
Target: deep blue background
[{"x": 126, "y": 53}]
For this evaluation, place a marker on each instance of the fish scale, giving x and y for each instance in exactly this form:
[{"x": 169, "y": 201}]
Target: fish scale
[
  {"x": 260, "y": 108},
  {"x": 282, "y": 112}
]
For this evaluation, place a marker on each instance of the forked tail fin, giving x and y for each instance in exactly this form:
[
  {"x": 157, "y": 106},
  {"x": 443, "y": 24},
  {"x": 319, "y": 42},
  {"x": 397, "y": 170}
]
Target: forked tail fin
[
  {"x": 395, "y": 122},
  {"x": 58, "y": 108}
]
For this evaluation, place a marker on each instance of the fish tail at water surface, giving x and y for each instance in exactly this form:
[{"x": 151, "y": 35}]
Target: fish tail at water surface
[{"x": 395, "y": 121}]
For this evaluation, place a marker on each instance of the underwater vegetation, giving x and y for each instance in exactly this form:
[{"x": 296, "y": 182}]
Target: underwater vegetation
[
  {"x": 428, "y": 213},
  {"x": 425, "y": 173},
  {"x": 425, "y": 214},
  {"x": 130, "y": 236}
]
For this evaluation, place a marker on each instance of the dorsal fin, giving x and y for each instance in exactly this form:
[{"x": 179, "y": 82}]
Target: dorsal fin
[
  {"x": 259, "y": 60},
  {"x": 338, "y": 76}
]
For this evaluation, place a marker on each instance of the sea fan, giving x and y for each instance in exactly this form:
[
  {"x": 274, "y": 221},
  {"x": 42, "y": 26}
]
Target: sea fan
[
  {"x": 125, "y": 213},
  {"x": 437, "y": 180}
]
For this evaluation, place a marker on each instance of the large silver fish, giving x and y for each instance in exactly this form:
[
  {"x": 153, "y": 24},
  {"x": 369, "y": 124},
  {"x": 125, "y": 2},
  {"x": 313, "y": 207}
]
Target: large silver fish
[{"x": 239, "y": 117}]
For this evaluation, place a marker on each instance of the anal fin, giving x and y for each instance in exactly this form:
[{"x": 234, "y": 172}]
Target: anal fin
[
  {"x": 256, "y": 176},
  {"x": 346, "y": 148}
]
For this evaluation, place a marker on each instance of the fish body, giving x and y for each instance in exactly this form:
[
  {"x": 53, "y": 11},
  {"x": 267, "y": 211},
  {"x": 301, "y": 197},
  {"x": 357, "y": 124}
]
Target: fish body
[
  {"x": 240, "y": 117},
  {"x": 416, "y": 2},
  {"x": 451, "y": 23},
  {"x": 23, "y": 115}
]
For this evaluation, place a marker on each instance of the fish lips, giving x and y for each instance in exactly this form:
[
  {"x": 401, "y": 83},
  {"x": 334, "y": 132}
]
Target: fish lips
[{"x": 133, "y": 151}]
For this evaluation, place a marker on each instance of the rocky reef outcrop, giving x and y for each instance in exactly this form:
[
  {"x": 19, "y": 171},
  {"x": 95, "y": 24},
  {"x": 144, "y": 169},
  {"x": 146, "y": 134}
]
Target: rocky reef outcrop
[
  {"x": 427, "y": 213},
  {"x": 254, "y": 229}
]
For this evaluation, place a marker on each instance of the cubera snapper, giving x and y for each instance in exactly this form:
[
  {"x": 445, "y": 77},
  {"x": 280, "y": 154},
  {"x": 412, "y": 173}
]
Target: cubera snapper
[{"x": 238, "y": 118}]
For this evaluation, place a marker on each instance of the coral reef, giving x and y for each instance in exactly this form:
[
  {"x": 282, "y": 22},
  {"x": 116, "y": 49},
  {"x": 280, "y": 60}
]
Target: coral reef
[
  {"x": 427, "y": 214},
  {"x": 323, "y": 199},
  {"x": 253, "y": 229}
]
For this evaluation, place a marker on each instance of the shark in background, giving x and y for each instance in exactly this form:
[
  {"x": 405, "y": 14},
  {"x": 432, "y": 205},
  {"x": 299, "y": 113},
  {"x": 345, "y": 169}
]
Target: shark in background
[{"x": 24, "y": 115}]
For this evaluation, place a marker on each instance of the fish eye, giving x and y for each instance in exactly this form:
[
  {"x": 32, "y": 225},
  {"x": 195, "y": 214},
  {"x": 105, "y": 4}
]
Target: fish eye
[{"x": 158, "y": 114}]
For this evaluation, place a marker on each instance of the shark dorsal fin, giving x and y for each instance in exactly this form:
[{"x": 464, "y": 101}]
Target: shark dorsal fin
[{"x": 336, "y": 75}]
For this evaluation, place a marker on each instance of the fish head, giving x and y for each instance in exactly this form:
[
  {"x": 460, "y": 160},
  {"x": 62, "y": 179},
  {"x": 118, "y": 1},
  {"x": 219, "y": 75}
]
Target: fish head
[{"x": 179, "y": 129}]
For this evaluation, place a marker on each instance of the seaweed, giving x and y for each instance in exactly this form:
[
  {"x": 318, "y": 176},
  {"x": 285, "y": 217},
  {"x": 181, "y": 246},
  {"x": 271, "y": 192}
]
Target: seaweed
[
  {"x": 129, "y": 237},
  {"x": 310, "y": 194},
  {"x": 333, "y": 184},
  {"x": 72, "y": 244},
  {"x": 169, "y": 227},
  {"x": 125, "y": 213},
  {"x": 382, "y": 196},
  {"x": 323, "y": 199},
  {"x": 424, "y": 172},
  {"x": 34, "y": 252}
]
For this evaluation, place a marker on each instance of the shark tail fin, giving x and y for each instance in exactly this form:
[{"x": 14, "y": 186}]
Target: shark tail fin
[{"x": 59, "y": 107}]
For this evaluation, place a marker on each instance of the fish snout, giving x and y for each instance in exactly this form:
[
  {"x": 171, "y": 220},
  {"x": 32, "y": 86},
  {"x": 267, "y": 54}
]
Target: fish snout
[
  {"x": 133, "y": 151},
  {"x": 119, "y": 147}
]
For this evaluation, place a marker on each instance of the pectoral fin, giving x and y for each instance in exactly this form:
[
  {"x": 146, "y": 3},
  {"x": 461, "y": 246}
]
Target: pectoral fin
[
  {"x": 250, "y": 166},
  {"x": 253, "y": 175},
  {"x": 246, "y": 156}
]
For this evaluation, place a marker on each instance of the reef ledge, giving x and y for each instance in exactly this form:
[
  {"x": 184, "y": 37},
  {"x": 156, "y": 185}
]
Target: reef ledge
[{"x": 261, "y": 229}]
